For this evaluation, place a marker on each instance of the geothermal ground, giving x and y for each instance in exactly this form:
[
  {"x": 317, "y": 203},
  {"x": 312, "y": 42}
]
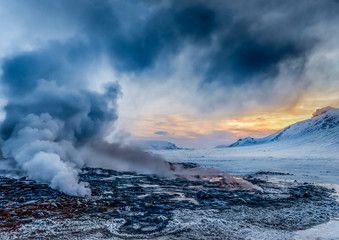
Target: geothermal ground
[{"x": 126, "y": 205}]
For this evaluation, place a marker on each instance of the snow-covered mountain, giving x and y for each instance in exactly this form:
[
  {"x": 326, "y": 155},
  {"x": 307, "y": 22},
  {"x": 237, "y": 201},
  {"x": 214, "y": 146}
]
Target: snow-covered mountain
[
  {"x": 155, "y": 145},
  {"x": 322, "y": 127}
]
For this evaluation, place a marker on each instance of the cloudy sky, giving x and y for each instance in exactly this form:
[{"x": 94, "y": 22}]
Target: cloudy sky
[{"x": 196, "y": 72}]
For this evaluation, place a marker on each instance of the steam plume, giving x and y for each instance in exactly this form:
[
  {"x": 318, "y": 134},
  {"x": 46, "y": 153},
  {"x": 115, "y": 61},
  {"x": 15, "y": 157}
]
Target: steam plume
[
  {"x": 50, "y": 113},
  {"x": 100, "y": 153}
]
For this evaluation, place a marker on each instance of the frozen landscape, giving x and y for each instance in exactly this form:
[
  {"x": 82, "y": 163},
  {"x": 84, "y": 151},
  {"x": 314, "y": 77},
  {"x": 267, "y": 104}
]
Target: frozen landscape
[
  {"x": 277, "y": 164},
  {"x": 296, "y": 195},
  {"x": 306, "y": 151},
  {"x": 169, "y": 119},
  {"x": 126, "y": 205},
  {"x": 309, "y": 149}
]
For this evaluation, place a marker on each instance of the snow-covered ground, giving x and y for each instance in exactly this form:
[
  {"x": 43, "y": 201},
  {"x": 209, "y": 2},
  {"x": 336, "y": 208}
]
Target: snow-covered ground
[{"x": 311, "y": 162}]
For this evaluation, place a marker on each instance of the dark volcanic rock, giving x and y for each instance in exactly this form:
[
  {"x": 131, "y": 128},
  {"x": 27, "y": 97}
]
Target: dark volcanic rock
[
  {"x": 204, "y": 195},
  {"x": 145, "y": 206},
  {"x": 271, "y": 173}
]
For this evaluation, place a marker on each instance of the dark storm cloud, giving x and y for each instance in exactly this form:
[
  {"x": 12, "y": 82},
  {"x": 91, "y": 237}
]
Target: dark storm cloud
[
  {"x": 242, "y": 42},
  {"x": 243, "y": 56},
  {"x": 157, "y": 37},
  {"x": 57, "y": 61}
]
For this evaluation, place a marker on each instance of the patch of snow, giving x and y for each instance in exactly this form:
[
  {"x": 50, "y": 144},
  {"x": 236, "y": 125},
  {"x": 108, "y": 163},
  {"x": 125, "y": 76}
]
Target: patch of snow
[{"x": 327, "y": 231}]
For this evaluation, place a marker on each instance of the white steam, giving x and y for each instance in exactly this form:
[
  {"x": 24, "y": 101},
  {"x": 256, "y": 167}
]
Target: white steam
[{"x": 36, "y": 148}]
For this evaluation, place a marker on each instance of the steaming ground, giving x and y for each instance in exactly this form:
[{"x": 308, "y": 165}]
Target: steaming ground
[
  {"x": 39, "y": 164},
  {"x": 57, "y": 111},
  {"x": 306, "y": 163},
  {"x": 44, "y": 128},
  {"x": 126, "y": 205}
]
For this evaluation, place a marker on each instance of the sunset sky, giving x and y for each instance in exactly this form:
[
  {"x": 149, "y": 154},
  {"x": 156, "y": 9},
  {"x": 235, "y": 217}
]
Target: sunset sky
[{"x": 197, "y": 73}]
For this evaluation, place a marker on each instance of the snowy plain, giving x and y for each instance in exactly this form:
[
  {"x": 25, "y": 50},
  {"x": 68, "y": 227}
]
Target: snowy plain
[{"x": 315, "y": 162}]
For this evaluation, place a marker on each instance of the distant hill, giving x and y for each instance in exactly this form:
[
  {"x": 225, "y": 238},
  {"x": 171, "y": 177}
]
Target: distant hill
[
  {"x": 322, "y": 127},
  {"x": 155, "y": 145}
]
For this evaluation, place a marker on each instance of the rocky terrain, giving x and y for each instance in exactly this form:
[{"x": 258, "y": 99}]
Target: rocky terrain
[{"x": 126, "y": 205}]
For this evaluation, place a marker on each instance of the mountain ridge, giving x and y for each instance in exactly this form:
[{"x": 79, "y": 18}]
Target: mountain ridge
[{"x": 322, "y": 126}]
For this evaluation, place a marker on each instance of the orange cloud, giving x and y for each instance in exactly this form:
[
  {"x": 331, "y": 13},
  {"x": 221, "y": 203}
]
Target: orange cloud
[{"x": 255, "y": 123}]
